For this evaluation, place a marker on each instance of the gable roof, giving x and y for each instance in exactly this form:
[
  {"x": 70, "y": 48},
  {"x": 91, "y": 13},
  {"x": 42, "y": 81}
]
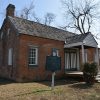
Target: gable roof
[
  {"x": 36, "y": 29},
  {"x": 76, "y": 38},
  {"x": 86, "y": 39}
]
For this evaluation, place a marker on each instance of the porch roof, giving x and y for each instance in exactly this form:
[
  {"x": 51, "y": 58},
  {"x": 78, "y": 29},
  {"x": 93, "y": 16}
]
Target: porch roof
[{"x": 86, "y": 39}]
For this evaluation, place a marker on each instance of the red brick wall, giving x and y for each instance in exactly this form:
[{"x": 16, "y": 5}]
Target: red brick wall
[
  {"x": 90, "y": 56},
  {"x": 8, "y": 41},
  {"x": 45, "y": 46}
]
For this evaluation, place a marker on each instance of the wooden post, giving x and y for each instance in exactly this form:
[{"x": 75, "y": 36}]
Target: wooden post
[
  {"x": 97, "y": 57},
  {"x": 83, "y": 58},
  {"x": 78, "y": 67},
  {"x": 53, "y": 80}
]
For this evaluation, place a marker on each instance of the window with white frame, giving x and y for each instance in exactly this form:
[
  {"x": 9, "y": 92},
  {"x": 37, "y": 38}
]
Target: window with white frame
[
  {"x": 33, "y": 55},
  {"x": 10, "y": 56}
]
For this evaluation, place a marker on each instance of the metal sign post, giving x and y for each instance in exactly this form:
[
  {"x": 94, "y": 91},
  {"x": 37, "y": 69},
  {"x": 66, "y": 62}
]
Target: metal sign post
[
  {"x": 53, "y": 80},
  {"x": 53, "y": 64}
]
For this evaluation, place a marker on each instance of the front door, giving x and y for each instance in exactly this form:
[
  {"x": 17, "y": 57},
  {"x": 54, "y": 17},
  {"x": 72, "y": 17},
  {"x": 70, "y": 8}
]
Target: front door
[{"x": 71, "y": 60}]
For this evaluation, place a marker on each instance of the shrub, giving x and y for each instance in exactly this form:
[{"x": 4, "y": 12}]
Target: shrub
[{"x": 89, "y": 72}]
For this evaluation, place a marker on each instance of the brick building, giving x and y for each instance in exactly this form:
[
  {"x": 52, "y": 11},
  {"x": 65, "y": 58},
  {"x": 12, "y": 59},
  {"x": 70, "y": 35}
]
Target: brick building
[{"x": 25, "y": 44}]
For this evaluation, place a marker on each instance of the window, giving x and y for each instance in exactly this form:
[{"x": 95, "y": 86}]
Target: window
[
  {"x": 10, "y": 54},
  {"x": 55, "y": 52},
  {"x": 33, "y": 56},
  {"x": 71, "y": 60}
]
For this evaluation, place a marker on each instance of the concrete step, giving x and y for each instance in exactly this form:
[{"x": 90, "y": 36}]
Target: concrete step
[
  {"x": 99, "y": 81},
  {"x": 98, "y": 77}
]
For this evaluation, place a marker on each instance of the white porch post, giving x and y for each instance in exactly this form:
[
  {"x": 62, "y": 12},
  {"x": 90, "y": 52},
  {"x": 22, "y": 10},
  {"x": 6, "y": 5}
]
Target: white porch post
[
  {"x": 78, "y": 66},
  {"x": 83, "y": 58},
  {"x": 97, "y": 57}
]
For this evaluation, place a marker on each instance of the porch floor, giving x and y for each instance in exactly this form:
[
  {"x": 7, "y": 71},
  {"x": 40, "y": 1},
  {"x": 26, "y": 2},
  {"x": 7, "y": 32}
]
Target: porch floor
[{"x": 74, "y": 73}]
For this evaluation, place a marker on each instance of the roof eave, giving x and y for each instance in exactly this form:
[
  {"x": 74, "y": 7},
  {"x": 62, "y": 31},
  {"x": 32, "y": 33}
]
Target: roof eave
[{"x": 73, "y": 45}]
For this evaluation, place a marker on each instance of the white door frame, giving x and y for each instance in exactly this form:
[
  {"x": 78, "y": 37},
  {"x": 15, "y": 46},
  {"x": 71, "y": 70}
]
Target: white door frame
[{"x": 68, "y": 63}]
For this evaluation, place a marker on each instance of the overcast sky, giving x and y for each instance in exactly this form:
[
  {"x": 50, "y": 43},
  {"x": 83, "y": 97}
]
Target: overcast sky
[{"x": 41, "y": 8}]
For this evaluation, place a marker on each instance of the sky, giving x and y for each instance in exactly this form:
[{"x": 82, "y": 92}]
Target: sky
[{"x": 41, "y": 8}]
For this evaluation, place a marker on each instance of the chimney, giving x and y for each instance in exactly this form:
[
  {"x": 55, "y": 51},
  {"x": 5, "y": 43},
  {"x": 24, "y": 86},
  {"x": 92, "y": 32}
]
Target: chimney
[{"x": 10, "y": 10}]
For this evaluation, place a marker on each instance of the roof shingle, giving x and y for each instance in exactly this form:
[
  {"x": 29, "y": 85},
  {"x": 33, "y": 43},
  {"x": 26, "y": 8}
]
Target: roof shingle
[
  {"x": 36, "y": 29},
  {"x": 76, "y": 38}
]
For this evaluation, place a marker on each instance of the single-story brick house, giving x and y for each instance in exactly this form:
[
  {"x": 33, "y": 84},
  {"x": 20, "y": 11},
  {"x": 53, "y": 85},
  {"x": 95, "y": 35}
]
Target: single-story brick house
[{"x": 25, "y": 44}]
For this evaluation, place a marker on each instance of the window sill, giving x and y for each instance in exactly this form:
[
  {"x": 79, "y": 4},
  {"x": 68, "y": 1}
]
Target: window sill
[
  {"x": 9, "y": 65},
  {"x": 32, "y": 66}
]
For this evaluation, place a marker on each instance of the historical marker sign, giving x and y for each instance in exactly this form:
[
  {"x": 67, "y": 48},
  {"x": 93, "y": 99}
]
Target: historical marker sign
[{"x": 53, "y": 63}]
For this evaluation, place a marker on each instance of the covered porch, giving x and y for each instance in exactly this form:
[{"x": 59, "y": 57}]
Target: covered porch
[{"x": 80, "y": 49}]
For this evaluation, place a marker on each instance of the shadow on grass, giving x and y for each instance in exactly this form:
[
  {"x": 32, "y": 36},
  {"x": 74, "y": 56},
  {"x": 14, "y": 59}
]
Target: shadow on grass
[
  {"x": 66, "y": 81},
  {"x": 43, "y": 99},
  {"x": 81, "y": 86},
  {"x": 60, "y": 82},
  {"x": 4, "y": 81},
  {"x": 35, "y": 92}
]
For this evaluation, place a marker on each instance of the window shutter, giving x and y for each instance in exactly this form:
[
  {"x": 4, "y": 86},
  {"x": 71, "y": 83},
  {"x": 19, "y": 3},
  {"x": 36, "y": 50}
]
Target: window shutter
[{"x": 10, "y": 56}]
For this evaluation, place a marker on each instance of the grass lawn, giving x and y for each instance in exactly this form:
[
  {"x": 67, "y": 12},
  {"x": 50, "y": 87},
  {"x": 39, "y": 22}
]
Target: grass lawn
[{"x": 64, "y": 90}]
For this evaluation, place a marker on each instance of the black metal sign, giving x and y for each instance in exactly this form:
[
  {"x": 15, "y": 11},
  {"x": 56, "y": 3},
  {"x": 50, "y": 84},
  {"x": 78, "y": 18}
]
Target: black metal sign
[{"x": 53, "y": 63}]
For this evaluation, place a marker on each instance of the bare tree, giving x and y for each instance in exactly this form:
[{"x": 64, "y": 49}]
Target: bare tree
[
  {"x": 27, "y": 11},
  {"x": 36, "y": 18},
  {"x": 49, "y": 18},
  {"x": 80, "y": 14}
]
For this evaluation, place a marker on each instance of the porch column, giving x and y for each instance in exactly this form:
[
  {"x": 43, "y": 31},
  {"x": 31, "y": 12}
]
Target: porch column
[
  {"x": 97, "y": 56},
  {"x": 78, "y": 66},
  {"x": 83, "y": 58}
]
